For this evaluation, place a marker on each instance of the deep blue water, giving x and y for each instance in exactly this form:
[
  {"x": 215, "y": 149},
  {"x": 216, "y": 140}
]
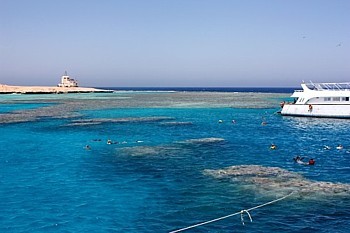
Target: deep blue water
[
  {"x": 154, "y": 182},
  {"x": 210, "y": 89}
]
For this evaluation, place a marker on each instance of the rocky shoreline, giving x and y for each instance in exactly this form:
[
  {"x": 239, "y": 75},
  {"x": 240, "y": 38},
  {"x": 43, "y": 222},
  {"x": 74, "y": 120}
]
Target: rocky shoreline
[{"x": 6, "y": 89}]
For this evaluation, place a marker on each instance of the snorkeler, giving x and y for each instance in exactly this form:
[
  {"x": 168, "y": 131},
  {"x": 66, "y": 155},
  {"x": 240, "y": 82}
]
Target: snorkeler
[
  {"x": 311, "y": 162},
  {"x": 339, "y": 147},
  {"x": 298, "y": 159}
]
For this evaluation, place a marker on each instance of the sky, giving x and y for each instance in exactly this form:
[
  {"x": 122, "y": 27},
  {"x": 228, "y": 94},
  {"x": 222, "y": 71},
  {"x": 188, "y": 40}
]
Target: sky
[{"x": 175, "y": 43}]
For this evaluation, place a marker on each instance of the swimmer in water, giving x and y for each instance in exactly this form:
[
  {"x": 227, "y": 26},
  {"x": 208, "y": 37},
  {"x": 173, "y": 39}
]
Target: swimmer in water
[
  {"x": 311, "y": 162},
  {"x": 273, "y": 147},
  {"x": 339, "y": 147},
  {"x": 298, "y": 158},
  {"x": 87, "y": 147}
]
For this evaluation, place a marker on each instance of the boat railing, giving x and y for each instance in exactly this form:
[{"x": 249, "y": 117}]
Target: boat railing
[{"x": 329, "y": 86}]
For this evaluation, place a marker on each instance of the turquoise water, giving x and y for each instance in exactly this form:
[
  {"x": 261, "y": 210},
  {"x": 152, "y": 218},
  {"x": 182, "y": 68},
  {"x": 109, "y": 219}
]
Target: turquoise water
[
  {"x": 153, "y": 179},
  {"x": 6, "y": 108}
]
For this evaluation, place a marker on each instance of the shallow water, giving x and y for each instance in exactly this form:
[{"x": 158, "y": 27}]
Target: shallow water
[{"x": 153, "y": 177}]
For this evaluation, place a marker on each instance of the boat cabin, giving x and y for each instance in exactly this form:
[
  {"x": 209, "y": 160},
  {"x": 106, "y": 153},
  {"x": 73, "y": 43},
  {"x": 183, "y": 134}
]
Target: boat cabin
[{"x": 66, "y": 81}]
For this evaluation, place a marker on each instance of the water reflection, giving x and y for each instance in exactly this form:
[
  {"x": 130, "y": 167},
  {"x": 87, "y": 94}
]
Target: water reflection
[{"x": 317, "y": 123}]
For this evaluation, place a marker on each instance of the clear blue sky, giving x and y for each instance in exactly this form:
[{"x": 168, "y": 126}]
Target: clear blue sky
[{"x": 175, "y": 42}]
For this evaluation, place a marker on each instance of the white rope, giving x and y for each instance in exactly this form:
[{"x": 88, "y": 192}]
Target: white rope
[
  {"x": 230, "y": 215},
  {"x": 242, "y": 219}
]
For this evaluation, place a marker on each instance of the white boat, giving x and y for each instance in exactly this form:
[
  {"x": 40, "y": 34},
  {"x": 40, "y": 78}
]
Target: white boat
[
  {"x": 66, "y": 81},
  {"x": 319, "y": 100}
]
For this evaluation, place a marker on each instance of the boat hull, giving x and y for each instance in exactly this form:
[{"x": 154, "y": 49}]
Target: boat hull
[{"x": 317, "y": 110}]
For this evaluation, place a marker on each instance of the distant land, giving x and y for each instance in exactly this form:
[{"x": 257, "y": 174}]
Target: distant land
[
  {"x": 67, "y": 85},
  {"x": 7, "y": 89}
]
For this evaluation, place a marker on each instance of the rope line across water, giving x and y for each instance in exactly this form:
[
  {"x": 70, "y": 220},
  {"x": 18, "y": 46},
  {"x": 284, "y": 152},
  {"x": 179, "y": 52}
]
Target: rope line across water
[{"x": 230, "y": 215}]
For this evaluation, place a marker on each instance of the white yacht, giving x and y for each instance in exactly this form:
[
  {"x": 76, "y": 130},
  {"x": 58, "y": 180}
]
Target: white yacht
[{"x": 319, "y": 100}]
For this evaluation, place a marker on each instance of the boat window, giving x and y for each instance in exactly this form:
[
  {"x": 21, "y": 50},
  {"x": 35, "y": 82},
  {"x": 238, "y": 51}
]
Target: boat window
[
  {"x": 336, "y": 98},
  {"x": 327, "y": 99},
  {"x": 346, "y": 98}
]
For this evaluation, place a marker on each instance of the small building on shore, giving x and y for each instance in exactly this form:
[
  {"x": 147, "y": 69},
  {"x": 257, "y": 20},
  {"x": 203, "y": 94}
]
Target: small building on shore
[{"x": 66, "y": 81}]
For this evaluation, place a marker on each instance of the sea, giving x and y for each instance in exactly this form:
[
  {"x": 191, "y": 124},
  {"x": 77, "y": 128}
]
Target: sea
[{"x": 163, "y": 159}]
